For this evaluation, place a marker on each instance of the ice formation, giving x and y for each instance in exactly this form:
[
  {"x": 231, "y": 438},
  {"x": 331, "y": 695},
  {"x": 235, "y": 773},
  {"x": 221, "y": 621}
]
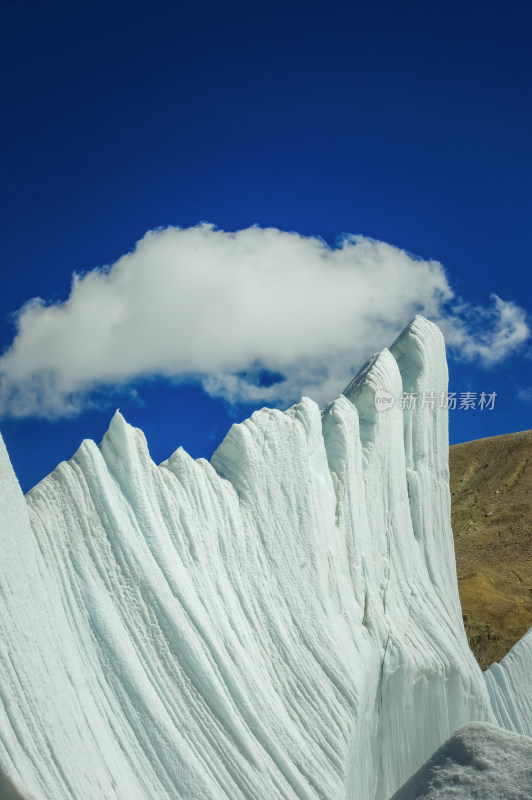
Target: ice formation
[
  {"x": 479, "y": 762},
  {"x": 280, "y": 623},
  {"x": 510, "y": 688}
]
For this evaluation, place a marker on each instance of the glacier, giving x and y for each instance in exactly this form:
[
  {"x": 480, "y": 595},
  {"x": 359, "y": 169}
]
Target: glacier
[
  {"x": 478, "y": 762},
  {"x": 281, "y": 622},
  {"x": 509, "y": 685}
]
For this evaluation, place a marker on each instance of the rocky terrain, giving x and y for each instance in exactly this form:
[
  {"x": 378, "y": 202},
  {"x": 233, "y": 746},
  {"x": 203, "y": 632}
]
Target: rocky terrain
[{"x": 491, "y": 492}]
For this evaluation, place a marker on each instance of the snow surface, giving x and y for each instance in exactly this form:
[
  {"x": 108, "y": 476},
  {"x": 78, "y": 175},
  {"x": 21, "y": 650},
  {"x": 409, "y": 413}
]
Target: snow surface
[
  {"x": 479, "y": 762},
  {"x": 510, "y": 688},
  {"x": 282, "y": 622}
]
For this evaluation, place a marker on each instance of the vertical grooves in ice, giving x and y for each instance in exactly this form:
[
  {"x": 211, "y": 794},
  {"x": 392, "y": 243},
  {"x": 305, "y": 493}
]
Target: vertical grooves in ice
[
  {"x": 264, "y": 626},
  {"x": 508, "y": 684}
]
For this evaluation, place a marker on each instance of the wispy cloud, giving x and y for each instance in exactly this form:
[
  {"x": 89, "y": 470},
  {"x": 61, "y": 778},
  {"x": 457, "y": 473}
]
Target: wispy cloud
[
  {"x": 223, "y": 308},
  {"x": 485, "y": 333},
  {"x": 525, "y": 394}
]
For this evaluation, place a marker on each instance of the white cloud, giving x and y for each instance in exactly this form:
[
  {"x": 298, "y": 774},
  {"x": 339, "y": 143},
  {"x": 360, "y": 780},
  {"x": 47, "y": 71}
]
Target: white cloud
[
  {"x": 488, "y": 334},
  {"x": 222, "y": 307}
]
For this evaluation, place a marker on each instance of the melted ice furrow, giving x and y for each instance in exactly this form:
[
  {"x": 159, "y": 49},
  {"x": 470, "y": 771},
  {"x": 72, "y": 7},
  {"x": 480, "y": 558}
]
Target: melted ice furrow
[{"x": 268, "y": 625}]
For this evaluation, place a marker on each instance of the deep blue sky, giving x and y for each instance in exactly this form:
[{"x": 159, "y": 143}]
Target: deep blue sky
[{"x": 407, "y": 122}]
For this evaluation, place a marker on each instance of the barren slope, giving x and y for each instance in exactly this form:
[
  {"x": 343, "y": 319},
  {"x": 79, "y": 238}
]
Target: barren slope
[{"x": 491, "y": 492}]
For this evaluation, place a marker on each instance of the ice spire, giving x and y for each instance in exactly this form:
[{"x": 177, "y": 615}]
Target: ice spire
[{"x": 279, "y": 624}]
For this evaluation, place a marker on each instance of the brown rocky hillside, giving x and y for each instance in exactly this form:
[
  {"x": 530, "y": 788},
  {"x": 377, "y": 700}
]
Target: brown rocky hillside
[{"x": 491, "y": 494}]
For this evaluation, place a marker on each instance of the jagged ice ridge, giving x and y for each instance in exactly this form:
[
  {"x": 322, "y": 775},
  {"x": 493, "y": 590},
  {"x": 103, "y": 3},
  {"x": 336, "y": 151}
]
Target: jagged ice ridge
[{"x": 282, "y": 622}]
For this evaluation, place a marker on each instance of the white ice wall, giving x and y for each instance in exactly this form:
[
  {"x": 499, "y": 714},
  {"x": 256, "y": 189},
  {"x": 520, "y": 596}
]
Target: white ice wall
[
  {"x": 510, "y": 687},
  {"x": 281, "y": 623},
  {"x": 480, "y": 761}
]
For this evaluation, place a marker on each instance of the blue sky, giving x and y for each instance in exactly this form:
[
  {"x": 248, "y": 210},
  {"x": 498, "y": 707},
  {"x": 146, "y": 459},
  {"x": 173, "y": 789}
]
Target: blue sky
[{"x": 407, "y": 123}]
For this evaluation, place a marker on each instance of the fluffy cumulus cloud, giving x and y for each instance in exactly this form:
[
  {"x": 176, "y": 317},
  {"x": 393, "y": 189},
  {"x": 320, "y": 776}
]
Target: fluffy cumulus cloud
[{"x": 259, "y": 315}]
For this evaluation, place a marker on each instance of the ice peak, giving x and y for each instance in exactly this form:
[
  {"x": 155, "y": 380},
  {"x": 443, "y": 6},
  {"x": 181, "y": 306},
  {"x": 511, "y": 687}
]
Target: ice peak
[
  {"x": 123, "y": 443},
  {"x": 419, "y": 326},
  {"x": 117, "y": 420},
  {"x": 265, "y": 627},
  {"x": 418, "y": 323},
  {"x": 119, "y": 428},
  {"x": 420, "y": 353},
  {"x": 379, "y": 372},
  {"x": 418, "y": 348}
]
